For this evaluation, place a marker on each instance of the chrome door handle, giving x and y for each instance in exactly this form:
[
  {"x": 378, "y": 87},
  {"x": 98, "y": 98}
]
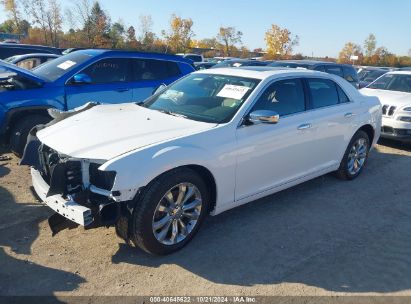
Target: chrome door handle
[
  {"x": 304, "y": 126},
  {"x": 348, "y": 115}
]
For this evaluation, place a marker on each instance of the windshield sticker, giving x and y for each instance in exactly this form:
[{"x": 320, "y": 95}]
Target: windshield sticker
[
  {"x": 233, "y": 91},
  {"x": 237, "y": 64},
  {"x": 66, "y": 64}
]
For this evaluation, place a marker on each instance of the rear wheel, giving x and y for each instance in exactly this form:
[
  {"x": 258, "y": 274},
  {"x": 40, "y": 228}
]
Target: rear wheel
[
  {"x": 170, "y": 212},
  {"x": 21, "y": 129},
  {"x": 355, "y": 156}
]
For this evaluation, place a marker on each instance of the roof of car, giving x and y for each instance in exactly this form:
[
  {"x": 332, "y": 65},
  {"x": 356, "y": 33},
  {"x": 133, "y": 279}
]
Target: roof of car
[
  {"x": 260, "y": 72},
  {"x": 402, "y": 72},
  {"x": 96, "y": 52},
  {"x": 36, "y": 55},
  {"x": 308, "y": 62}
]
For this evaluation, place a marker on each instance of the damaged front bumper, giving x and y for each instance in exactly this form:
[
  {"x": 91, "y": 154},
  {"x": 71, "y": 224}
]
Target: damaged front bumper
[{"x": 68, "y": 208}]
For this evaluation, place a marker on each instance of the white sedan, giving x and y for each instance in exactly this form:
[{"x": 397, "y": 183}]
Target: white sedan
[
  {"x": 394, "y": 91},
  {"x": 207, "y": 143}
]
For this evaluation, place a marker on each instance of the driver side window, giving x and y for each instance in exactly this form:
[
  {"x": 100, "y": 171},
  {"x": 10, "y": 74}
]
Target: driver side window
[
  {"x": 284, "y": 97},
  {"x": 108, "y": 70}
]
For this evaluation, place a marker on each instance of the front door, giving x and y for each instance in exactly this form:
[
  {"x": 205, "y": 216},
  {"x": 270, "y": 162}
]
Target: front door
[
  {"x": 110, "y": 83},
  {"x": 270, "y": 155}
]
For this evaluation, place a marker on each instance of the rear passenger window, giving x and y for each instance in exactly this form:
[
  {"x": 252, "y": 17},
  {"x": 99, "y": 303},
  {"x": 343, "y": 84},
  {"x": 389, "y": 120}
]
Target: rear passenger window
[
  {"x": 284, "y": 97},
  {"x": 341, "y": 94},
  {"x": 350, "y": 74},
  {"x": 323, "y": 93},
  {"x": 336, "y": 70},
  {"x": 151, "y": 69}
]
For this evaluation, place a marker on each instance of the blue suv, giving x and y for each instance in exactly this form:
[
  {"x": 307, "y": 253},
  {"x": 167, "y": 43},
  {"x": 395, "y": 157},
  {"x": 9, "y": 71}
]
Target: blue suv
[{"x": 72, "y": 80}]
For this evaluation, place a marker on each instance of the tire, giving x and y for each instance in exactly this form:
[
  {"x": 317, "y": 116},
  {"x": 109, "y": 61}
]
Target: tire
[
  {"x": 142, "y": 232},
  {"x": 21, "y": 129},
  {"x": 344, "y": 171}
]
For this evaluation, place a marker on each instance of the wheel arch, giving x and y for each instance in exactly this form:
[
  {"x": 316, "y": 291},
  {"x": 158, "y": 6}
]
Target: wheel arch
[{"x": 369, "y": 130}]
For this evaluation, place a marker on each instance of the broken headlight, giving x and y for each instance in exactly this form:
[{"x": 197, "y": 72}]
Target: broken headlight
[{"x": 101, "y": 179}]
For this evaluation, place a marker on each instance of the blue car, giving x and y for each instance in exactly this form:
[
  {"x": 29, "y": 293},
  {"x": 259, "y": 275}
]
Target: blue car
[{"x": 103, "y": 76}]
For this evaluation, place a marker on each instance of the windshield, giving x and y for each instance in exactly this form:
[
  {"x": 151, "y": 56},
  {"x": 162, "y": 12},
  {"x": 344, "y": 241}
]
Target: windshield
[
  {"x": 54, "y": 69},
  {"x": 289, "y": 65},
  {"x": 11, "y": 59},
  {"x": 393, "y": 82},
  {"x": 204, "y": 97},
  {"x": 370, "y": 75}
]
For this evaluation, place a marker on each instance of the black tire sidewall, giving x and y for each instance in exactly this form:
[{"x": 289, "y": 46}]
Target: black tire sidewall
[
  {"x": 20, "y": 131},
  {"x": 142, "y": 234}
]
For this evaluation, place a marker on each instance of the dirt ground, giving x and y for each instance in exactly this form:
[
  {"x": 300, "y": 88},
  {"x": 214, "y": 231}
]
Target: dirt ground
[{"x": 323, "y": 237}]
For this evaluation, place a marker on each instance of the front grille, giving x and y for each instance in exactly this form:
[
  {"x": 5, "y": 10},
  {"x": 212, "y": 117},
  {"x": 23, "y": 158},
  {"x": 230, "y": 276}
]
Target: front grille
[{"x": 388, "y": 110}]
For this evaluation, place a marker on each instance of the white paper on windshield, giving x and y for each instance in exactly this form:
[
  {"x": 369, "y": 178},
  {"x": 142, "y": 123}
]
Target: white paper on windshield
[
  {"x": 233, "y": 91},
  {"x": 66, "y": 64},
  {"x": 237, "y": 64}
]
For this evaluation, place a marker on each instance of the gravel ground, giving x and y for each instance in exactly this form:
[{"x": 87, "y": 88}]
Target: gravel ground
[{"x": 323, "y": 237}]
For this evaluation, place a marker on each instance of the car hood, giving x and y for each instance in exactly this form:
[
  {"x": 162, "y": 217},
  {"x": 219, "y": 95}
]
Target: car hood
[
  {"x": 398, "y": 99},
  {"x": 8, "y": 68},
  {"x": 107, "y": 131}
]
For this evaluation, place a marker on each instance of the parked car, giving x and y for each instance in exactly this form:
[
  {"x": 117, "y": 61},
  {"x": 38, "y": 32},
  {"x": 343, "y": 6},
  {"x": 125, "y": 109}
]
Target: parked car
[
  {"x": 368, "y": 75},
  {"x": 30, "y": 61},
  {"x": 235, "y": 63},
  {"x": 214, "y": 140},
  {"x": 11, "y": 49},
  {"x": 204, "y": 65},
  {"x": 345, "y": 71},
  {"x": 72, "y": 80},
  {"x": 394, "y": 91},
  {"x": 192, "y": 57}
]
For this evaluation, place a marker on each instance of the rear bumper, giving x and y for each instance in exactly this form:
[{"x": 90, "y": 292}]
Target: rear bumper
[{"x": 65, "y": 207}]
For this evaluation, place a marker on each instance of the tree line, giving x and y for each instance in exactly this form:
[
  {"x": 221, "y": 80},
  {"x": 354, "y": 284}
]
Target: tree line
[
  {"x": 90, "y": 26},
  {"x": 371, "y": 54}
]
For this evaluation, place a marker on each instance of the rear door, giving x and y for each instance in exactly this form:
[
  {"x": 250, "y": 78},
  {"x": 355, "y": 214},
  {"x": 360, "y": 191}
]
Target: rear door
[
  {"x": 110, "y": 83},
  {"x": 149, "y": 74},
  {"x": 333, "y": 113}
]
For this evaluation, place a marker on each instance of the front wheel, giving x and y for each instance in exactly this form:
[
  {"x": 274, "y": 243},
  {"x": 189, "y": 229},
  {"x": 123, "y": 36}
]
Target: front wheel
[
  {"x": 355, "y": 156},
  {"x": 170, "y": 212}
]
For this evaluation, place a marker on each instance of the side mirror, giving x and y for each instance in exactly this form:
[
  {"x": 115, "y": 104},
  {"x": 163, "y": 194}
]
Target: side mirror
[
  {"x": 160, "y": 88},
  {"x": 81, "y": 79},
  {"x": 264, "y": 116}
]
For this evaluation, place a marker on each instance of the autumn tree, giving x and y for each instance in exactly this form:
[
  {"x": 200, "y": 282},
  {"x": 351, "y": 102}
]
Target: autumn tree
[
  {"x": 46, "y": 15},
  {"x": 350, "y": 49},
  {"x": 99, "y": 26},
  {"x": 280, "y": 41},
  {"x": 12, "y": 8},
  {"x": 131, "y": 39},
  {"x": 370, "y": 44},
  {"x": 179, "y": 36},
  {"x": 147, "y": 36},
  {"x": 229, "y": 37}
]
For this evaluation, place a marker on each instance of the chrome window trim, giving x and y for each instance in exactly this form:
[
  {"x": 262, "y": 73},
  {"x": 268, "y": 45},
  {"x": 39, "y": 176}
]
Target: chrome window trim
[{"x": 241, "y": 122}]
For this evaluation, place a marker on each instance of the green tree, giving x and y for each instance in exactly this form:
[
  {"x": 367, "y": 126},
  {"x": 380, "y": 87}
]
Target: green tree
[{"x": 13, "y": 9}]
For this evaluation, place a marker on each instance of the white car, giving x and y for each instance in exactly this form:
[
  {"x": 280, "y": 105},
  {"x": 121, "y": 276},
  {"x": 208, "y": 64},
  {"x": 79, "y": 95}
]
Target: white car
[
  {"x": 394, "y": 91},
  {"x": 210, "y": 142}
]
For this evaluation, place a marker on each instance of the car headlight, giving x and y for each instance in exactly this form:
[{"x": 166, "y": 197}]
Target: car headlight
[{"x": 101, "y": 179}]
